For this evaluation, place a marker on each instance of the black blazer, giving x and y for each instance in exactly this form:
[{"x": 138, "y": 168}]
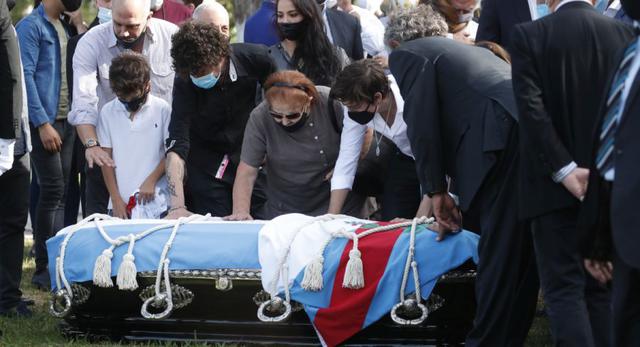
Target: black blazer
[
  {"x": 560, "y": 67},
  {"x": 10, "y": 77},
  {"x": 459, "y": 109},
  {"x": 345, "y": 30},
  {"x": 498, "y": 17},
  {"x": 625, "y": 192}
]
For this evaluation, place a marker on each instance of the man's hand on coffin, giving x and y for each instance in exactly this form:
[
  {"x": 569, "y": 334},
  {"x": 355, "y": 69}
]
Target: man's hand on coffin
[
  {"x": 239, "y": 216},
  {"x": 600, "y": 270},
  {"x": 175, "y": 213},
  {"x": 147, "y": 191},
  {"x": 576, "y": 182},
  {"x": 96, "y": 155},
  {"x": 120, "y": 208},
  {"x": 447, "y": 214}
]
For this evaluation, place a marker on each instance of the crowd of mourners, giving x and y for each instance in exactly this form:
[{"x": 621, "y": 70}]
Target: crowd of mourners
[{"x": 509, "y": 118}]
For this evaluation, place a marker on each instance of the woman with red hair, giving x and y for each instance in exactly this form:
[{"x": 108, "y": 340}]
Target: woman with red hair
[{"x": 294, "y": 134}]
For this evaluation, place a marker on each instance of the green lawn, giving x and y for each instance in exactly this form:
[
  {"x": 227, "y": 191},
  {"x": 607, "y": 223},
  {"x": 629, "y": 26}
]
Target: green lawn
[{"x": 42, "y": 330}]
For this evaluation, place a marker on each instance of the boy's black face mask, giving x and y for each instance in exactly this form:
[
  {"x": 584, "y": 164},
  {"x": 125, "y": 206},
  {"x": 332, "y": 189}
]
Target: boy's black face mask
[{"x": 135, "y": 104}]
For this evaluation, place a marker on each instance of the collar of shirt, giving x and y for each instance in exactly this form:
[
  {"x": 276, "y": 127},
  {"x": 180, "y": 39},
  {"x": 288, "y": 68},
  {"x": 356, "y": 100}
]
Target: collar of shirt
[
  {"x": 113, "y": 41},
  {"x": 533, "y": 10},
  {"x": 564, "y": 2},
  {"x": 379, "y": 123}
]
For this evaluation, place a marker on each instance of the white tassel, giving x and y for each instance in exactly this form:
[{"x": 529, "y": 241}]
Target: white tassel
[
  {"x": 312, "y": 280},
  {"x": 102, "y": 269},
  {"x": 354, "y": 273},
  {"x": 127, "y": 273}
]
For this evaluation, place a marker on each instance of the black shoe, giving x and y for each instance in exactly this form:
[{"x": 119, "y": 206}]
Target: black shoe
[
  {"x": 41, "y": 280},
  {"x": 20, "y": 311}
]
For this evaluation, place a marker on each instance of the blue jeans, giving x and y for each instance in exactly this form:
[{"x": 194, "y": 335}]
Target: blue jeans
[{"x": 52, "y": 170}]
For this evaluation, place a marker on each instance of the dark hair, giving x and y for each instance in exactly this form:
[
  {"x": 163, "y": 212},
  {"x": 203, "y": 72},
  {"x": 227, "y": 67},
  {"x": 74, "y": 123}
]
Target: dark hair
[
  {"x": 359, "y": 81},
  {"x": 197, "y": 45},
  {"x": 290, "y": 87},
  {"x": 314, "y": 56},
  {"x": 129, "y": 74},
  {"x": 495, "y": 49}
]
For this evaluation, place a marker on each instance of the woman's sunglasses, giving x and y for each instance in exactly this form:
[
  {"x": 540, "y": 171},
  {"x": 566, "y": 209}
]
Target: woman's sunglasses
[{"x": 292, "y": 116}]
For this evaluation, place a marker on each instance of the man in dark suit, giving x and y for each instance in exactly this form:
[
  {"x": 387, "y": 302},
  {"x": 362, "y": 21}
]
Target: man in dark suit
[
  {"x": 461, "y": 121},
  {"x": 498, "y": 17},
  {"x": 14, "y": 171},
  {"x": 609, "y": 216},
  {"x": 558, "y": 91},
  {"x": 344, "y": 31}
]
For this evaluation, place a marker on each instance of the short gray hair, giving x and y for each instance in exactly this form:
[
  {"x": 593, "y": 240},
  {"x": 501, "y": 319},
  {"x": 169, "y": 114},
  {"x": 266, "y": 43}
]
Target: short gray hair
[{"x": 406, "y": 24}]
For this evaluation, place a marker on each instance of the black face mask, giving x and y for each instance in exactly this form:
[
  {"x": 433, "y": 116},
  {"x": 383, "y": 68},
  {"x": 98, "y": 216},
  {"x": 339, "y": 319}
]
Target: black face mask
[
  {"x": 11, "y": 4},
  {"x": 71, "y": 5},
  {"x": 130, "y": 44},
  {"x": 135, "y": 104},
  {"x": 296, "y": 126},
  {"x": 362, "y": 117},
  {"x": 631, "y": 8},
  {"x": 292, "y": 31}
]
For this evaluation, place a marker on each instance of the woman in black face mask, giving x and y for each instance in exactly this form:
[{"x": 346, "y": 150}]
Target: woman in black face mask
[
  {"x": 305, "y": 46},
  {"x": 294, "y": 134}
]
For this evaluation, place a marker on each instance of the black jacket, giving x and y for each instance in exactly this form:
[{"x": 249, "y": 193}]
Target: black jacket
[
  {"x": 560, "y": 67},
  {"x": 207, "y": 124},
  {"x": 10, "y": 77},
  {"x": 498, "y": 17},
  {"x": 459, "y": 109},
  {"x": 625, "y": 193},
  {"x": 346, "y": 30}
]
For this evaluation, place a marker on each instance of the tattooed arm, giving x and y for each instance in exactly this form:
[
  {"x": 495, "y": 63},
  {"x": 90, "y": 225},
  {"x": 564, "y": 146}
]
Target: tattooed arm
[{"x": 175, "y": 177}]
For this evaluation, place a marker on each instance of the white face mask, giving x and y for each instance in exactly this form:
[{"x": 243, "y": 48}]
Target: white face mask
[
  {"x": 465, "y": 17},
  {"x": 156, "y": 4},
  {"x": 104, "y": 14}
]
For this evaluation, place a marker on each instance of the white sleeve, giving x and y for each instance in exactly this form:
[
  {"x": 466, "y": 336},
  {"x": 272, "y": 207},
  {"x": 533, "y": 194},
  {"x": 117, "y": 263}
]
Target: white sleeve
[
  {"x": 103, "y": 130},
  {"x": 6, "y": 154},
  {"x": 84, "y": 106},
  {"x": 350, "y": 144}
]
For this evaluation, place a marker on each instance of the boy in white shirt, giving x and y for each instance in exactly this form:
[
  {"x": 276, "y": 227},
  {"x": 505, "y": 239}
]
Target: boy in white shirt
[{"x": 133, "y": 128}]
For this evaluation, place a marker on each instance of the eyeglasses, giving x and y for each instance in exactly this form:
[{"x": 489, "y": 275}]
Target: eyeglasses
[{"x": 292, "y": 116}]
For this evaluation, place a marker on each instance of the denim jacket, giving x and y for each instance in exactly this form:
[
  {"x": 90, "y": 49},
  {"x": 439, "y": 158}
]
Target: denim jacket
[{"x": 40, "y": 52}]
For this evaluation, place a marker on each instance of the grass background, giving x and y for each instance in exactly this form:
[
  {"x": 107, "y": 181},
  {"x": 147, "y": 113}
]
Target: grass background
[{"x": 42, "y": 328}]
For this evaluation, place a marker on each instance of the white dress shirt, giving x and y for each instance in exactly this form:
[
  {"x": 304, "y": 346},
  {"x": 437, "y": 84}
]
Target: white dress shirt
[
  {"x": 631, "y": 79},
  {"x": 353, "y": 136},
  {"x": 93, "y": 58},
  {"x": 372, "y": 33}
]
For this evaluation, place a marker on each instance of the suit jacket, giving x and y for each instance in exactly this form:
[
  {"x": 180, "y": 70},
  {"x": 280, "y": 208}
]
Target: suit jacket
[
  {"x": 345, "y": 30},
  {"x": 459, "y": 109},
  {"x": 558, "y": 92},
  {"x": 625, "y": 192},
  {"x": 10, "y": 77},
  {"x": 498, "y": 17}
]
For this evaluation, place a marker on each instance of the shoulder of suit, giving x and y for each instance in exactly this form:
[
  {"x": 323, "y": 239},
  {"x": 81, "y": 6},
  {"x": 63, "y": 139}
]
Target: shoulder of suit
[{"x": 345, "y": 17}]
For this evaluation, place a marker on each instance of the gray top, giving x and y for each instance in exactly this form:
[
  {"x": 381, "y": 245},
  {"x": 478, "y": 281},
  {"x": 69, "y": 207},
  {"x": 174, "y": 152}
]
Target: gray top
[{"x": 296, "y": 162}]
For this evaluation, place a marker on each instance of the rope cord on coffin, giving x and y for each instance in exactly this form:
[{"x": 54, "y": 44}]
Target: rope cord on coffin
[
  {"x": 354, "y": 274},
  {"x": 126, "y": 277}
]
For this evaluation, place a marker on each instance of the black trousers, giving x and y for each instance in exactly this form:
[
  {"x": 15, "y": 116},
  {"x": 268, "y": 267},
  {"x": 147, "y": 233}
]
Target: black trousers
[
  {"x": 76, "y": 186},
  {"x": 96, "y": 193},
  {"x": 507, "y": 282},
  {"x": 401, "y": 195},
  {"x": 577, "y": 305},
  {"x": 626, "y": 304},
  {"x": 206, "y": 194},
  {"x": 14, "y": 206}
]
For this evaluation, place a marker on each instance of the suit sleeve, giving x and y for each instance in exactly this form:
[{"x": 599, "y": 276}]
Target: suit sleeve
[
  {"x": 9, "y": 75},
  {"x": 417, "y": 79},
  {"x": 358, "y": 49},
  {"x": 489, "y": 26},
  {"x": 536, "y": 127}
]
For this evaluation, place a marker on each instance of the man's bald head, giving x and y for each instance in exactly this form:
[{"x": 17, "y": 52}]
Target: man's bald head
[
  {"x": 212, "y": 12},
  {"x": 130, "y": 18}
]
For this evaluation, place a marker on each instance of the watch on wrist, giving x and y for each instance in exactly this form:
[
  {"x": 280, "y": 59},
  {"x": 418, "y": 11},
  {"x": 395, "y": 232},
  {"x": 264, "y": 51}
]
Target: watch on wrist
[{"x": 91, "y": 143}]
